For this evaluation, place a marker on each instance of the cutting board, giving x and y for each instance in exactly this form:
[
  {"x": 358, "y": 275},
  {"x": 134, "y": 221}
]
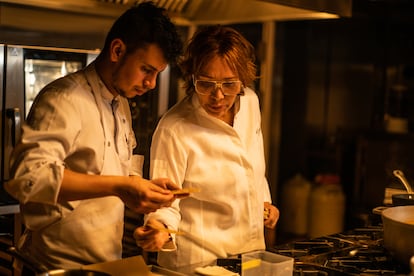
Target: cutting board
[{"x": 132, "y": 266}]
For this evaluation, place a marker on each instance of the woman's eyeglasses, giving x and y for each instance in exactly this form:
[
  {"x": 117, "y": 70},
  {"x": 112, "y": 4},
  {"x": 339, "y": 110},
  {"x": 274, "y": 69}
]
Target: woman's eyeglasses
[{"x": 228, "y": 87}]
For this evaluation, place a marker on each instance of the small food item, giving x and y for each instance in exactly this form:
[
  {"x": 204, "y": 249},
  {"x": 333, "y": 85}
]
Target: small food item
[
  {"x": 185, "y": 192},
  {"x": 215, "y": 271},
  {"x": 266, "y": 213}
]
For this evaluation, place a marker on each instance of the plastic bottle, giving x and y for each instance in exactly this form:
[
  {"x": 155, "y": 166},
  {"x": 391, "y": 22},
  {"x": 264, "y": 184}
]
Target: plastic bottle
[
  {"x": 412, "y": 266},
  {"x": 326, "y": 207},
  {"x": 294, "y": 205}
]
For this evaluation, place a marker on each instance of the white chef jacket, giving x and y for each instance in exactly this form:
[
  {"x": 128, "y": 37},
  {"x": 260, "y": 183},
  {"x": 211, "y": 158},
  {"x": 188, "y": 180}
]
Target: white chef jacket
[
  {"x": 227, "y": 164},
  {"x": 71, "y": 125}
]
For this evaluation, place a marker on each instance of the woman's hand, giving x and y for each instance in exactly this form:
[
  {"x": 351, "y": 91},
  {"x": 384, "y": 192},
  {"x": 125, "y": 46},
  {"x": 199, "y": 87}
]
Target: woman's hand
[
  {"x": 272, "y": 215},
  {"x": 149, "y": 238}
]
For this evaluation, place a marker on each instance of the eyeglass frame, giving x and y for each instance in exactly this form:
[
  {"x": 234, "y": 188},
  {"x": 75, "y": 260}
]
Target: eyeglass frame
[{"x": 217, "y": 83}]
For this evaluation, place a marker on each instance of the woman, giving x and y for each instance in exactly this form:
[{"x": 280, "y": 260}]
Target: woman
[{"x": 211, "y": 142}]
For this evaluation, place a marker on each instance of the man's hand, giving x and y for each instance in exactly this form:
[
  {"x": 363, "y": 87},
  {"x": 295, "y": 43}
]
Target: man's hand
[
  {"x": 139, "y": 194},
  {"x": 144, "y": 196}
]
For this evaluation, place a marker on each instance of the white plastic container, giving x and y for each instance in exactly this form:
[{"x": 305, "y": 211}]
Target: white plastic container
[
  {"x": 294, "y": 205},
  {"x": 265, "y": 263},
  {"x": 326, "y": 207}
]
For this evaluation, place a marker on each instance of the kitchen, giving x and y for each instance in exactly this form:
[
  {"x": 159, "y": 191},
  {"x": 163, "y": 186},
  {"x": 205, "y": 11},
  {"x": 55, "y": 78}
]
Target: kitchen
[{"x": 322, "y": 68}]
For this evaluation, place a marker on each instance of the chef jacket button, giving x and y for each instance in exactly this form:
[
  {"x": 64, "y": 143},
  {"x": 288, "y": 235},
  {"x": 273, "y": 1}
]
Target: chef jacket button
[{"x": 28, "y": 186}]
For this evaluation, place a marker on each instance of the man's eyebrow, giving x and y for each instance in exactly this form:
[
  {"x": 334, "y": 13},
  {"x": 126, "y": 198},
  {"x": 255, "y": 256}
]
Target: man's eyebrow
[{"x": 153, "y": 68}]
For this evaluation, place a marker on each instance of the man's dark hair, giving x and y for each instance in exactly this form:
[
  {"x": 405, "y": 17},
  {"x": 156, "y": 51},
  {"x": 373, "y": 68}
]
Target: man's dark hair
[{"x": 143, "y": 24}]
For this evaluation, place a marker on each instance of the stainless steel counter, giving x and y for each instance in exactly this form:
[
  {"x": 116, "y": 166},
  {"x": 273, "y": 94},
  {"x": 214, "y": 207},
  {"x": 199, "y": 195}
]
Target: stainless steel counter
[
  {"x": 9, "y": 209},
  {"x": 8, "y": 205}
]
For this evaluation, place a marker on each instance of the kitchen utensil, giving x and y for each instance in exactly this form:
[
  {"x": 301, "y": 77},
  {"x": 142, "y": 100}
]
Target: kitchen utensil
[
  {"x": 41, "y": 270},
  {"x": 400, "y": 175},
  {"x": 402, "y": 199},
  {"x": 398, "y": 223}
]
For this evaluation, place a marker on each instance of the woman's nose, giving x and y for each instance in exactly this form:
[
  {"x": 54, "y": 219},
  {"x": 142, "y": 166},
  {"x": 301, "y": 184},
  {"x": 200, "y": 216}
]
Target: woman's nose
[{"x": 217, "y": 93}]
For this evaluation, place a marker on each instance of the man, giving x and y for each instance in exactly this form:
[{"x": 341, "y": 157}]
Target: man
[{"x": 73, "y": 170}]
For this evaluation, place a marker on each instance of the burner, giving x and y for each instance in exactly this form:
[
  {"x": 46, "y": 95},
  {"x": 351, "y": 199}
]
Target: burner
[
  {"x": 314, "y": 269},
  {"x": 356, "y": 252}
]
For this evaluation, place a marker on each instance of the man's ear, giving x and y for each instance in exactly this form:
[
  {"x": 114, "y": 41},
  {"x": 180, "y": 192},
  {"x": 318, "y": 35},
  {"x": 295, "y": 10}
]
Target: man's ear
[{"x": 118, "y": 48}]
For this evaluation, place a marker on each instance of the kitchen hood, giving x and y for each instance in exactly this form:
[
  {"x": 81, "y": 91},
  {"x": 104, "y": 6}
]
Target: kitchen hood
[
  {"x": 56, "y": 22},
  {"x": 91, "y": 16}
]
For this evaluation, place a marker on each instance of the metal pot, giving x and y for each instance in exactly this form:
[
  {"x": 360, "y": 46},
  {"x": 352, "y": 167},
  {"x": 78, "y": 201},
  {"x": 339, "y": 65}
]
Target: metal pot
[
  {"x": 402, "y": 199},
  {"x": 398, "y": 223}
]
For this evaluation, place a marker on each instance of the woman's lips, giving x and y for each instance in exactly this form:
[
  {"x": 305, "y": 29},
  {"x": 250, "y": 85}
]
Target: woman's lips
[{"x": 215, "y": 108}]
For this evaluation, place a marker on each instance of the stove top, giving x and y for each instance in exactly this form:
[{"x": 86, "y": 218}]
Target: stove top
[{"x": 356, "y": 252}]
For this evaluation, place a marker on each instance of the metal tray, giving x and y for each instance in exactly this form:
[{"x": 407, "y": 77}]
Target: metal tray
[{"x": 163, "y": 271}]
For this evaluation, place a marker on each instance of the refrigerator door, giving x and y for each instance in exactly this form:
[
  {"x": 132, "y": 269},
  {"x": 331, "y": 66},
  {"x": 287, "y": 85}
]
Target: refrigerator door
[
  {"x": 13, "y": 97},
  {"x": 1, "y": 107},
  {"x": 8, "y": 205}
]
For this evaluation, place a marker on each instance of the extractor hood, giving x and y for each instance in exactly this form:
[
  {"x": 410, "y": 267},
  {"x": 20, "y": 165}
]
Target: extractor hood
[
  {"x": 84, "y": 15},
  {"x": 29, "y": 21}
]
